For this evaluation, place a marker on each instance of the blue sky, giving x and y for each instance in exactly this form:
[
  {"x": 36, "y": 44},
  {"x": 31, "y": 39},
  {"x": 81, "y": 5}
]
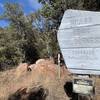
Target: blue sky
[{"x": 27, "y": 5}]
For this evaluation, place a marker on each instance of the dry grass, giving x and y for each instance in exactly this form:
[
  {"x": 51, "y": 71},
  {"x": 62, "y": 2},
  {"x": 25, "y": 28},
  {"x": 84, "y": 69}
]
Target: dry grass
[
  {"x": 45, "y": 74},
  {"x": 41, "y": 74}
]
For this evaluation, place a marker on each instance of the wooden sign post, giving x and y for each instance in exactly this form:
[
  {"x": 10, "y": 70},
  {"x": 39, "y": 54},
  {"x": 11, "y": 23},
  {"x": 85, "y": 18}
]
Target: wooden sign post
[{"x": 59, "y": 65}]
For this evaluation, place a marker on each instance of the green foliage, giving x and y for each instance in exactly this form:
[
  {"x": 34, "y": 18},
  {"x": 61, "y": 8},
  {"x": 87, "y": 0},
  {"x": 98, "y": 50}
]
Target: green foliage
[
  {"x": 18, "y": 20},
  {"x": 46, "y": 44},
  {"x": 8, "y": 51},
  {"x": 30, "y": 37},
  {"x": 17, "y": 40},
  {"x": 54, "y": 11},
  {"x": 92, "y": 5}
]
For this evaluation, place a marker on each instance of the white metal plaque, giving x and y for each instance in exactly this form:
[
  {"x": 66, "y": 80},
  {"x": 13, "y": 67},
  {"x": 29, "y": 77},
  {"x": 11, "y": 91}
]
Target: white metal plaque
[
  {"x": 83, "y": 86},
  {"x": 79, "y": 41}
]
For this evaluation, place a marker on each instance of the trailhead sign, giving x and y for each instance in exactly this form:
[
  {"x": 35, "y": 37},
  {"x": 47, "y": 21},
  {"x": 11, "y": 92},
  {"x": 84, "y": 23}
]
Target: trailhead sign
[{"x": 79, "y": 41}]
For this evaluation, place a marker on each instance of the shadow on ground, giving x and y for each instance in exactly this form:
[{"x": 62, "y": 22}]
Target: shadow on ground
[{"x": 37, "y": 93}]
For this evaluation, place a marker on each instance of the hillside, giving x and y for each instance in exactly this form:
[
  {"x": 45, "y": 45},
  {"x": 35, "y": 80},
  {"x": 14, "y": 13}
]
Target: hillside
[
  {"x": 40, "y": 81},
  {"x": 43, "y": 74}
]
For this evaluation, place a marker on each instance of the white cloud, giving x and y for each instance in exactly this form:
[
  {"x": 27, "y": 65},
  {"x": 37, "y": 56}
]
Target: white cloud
[
  {"x": 33, "y": 1},
  {"x": 35, "y": 4},
  {"x": 1, "y": 5}
]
